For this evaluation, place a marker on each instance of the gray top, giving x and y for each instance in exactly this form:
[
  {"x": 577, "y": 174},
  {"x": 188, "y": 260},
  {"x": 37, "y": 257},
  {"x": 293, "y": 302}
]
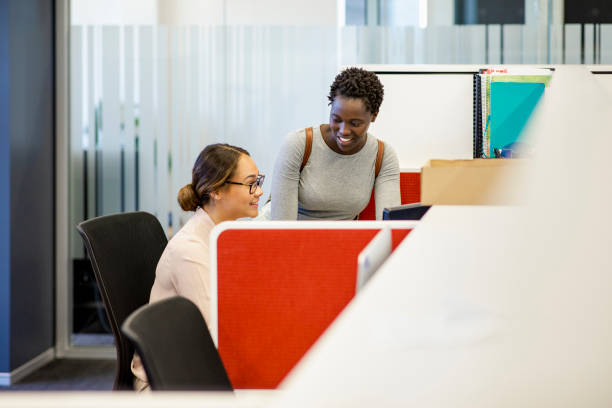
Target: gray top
[{"x": 332, "y": 186}]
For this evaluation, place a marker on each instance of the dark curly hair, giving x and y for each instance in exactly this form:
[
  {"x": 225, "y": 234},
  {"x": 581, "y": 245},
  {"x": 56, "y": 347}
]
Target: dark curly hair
[{"x": 358, "y": 83}]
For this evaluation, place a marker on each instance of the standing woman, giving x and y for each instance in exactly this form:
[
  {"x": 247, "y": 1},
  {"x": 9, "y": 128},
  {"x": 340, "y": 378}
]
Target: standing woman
[
  {"x": 225, "y": 186},
  {"x": 337, "y": 180}
]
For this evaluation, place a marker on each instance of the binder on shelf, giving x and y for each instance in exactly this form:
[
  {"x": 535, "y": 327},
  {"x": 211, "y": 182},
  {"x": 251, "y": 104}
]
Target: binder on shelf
[
  {"x": 477, "y": 118},
  {"x": 503, "y": 102}
]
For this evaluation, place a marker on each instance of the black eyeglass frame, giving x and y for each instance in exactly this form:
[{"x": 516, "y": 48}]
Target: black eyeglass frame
[{"x": 252, "y": 186}]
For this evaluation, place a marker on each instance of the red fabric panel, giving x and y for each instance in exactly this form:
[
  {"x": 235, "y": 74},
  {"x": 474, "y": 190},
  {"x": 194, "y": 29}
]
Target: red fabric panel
[
  {"x": 397, "y": 236},
  {"x": 278, "y": 290},
  {"x": 410, "y": 190},
  {"x": 368, "y": 213},
  {"x": 273, "y": 307},
  {"x": 410, "y": 187}
]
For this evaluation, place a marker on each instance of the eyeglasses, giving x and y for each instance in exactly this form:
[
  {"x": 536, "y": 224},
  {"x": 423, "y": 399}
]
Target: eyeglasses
[{"x": 252, "y": 186}]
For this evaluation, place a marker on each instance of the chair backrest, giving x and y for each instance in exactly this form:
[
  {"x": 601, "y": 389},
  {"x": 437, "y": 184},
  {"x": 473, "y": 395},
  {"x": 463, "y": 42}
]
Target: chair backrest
[
  {"x": 175, "y": 346},
  {"x": 124, "y": 250}
]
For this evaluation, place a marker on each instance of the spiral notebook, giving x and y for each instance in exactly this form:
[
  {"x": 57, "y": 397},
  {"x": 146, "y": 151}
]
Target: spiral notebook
[{"x": 503, "y": 103}]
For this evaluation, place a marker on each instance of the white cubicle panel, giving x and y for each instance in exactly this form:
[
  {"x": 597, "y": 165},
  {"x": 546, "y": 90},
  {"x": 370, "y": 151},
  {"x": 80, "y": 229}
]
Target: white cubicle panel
[
  {"x": 455, "y": 317},
  {"x": 373, "y": 256},
  {"x": 603, "y": 76},
  {"x": 427, "y": 111},
  {"x": 426, "y": 114},
  {"x": 433, "y": 325}
]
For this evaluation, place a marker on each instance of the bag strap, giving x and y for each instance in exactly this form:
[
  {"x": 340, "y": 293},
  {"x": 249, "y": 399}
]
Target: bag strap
[
  {"x": 379, "y": 156},
  {"x": 307, "y": 149}
]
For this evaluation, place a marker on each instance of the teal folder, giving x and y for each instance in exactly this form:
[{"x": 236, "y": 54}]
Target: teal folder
[{"x": 511, "y": 106}]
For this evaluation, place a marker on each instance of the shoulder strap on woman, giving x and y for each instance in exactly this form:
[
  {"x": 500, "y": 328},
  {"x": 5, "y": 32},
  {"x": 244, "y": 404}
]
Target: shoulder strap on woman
[
  {"x": 379, "y": 156},
  {"x": 308, "y": 148}
]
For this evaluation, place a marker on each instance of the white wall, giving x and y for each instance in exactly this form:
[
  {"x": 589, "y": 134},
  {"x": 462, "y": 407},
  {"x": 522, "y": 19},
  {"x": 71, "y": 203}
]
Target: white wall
[
  {"x": 440, "y": 12},
  {"x": 282, "y": 12},
  {"x": 189, "y": 12},
  {"x": 205, "y": 12},
  {"x": 113, "y": 12},
  {"x": 261, "y": 12}
]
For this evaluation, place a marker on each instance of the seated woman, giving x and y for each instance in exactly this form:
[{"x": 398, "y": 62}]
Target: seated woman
[
  {"x": 337, "y": 180},
  {"x": 225, "y": 186}
]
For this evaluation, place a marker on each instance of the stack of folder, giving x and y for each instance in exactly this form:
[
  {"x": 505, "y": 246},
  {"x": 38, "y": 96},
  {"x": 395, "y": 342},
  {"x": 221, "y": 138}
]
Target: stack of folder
[{"x": 503, "y": 102}]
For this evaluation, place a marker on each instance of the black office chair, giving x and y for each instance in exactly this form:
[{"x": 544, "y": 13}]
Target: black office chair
[
  {"x": 175, "y": 346},
  {"x": 124, "y": 250}
]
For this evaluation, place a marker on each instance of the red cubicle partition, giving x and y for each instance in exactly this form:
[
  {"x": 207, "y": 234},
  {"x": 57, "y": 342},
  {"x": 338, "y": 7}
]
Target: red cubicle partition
[
  {"x": 410, "y": 189},
  {"x": 278, "y": 286}
]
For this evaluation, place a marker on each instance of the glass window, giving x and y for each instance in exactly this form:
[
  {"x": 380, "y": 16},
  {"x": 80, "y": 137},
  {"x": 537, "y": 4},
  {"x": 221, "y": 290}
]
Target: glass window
[{"x": 356, "y": 12}]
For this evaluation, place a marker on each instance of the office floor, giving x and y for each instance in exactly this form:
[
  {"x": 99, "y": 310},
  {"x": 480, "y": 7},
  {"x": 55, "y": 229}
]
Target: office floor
[{"x": 69, "y": 375}]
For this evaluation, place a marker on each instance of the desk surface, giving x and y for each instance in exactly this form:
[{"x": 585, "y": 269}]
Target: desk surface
[{"x": 455, "y": 318}]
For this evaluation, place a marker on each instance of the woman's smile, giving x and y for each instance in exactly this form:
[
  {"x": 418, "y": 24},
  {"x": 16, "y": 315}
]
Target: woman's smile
[{"x": 344, "y": 141}]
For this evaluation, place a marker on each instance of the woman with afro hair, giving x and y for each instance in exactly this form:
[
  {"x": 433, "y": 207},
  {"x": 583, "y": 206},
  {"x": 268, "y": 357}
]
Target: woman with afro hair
[{"x": 337, "y": 180}]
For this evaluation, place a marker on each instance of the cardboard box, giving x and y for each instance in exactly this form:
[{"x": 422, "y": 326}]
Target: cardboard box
[{"x": 469, "y": 182}]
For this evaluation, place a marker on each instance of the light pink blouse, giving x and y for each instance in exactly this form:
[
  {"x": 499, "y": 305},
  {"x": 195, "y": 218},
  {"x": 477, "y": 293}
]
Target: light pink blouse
[{"x": 184, "y": 270}]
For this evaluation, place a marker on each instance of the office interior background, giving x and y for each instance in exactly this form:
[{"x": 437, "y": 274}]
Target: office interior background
[{"x": 128, "y": 92}]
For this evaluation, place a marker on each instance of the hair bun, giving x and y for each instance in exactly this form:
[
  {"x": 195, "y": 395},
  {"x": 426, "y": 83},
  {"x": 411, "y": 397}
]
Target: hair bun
[{"x": 188, "y": 198}]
